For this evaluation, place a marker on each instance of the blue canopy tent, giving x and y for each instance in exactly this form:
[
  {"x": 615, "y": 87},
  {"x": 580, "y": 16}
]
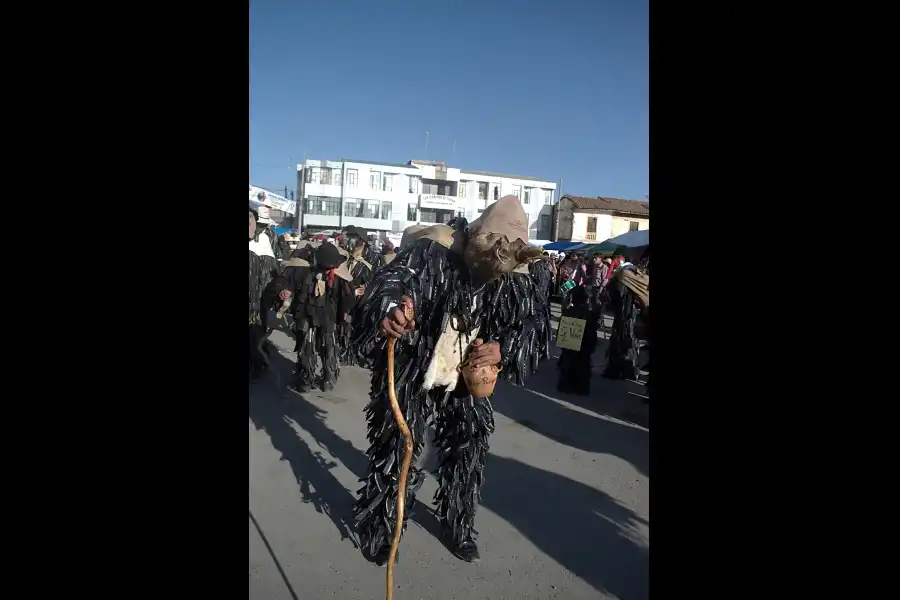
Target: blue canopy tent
[
  {"x": 280, "y": 230},
  {"x": 561, "y": 246}
]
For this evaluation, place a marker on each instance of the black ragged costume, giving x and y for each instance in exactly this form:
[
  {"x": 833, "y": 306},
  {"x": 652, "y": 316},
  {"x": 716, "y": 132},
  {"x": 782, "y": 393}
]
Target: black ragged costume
[
  {"x": 507, "y": 311},
  {"x": 361, "y": 270},
  {"x": 372, "y": 256},
  {"x": 622, "y": 354},
  {"x": 262, "y": 270},
  {"x": 321, "y": 298}
]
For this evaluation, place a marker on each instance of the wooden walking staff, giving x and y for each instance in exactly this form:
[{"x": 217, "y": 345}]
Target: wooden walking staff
[{"x": 407, "y": 457}]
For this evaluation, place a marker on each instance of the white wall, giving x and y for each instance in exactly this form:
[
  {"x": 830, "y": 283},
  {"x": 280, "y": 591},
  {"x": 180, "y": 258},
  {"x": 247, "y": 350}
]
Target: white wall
[
  {"x": 401, "y": 198},
  {"x": 608, "y": 226}
]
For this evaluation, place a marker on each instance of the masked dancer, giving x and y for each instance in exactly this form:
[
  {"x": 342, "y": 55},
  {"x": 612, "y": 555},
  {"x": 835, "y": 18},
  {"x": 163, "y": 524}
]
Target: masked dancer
[
  {"x": 263, "y": 270},
  {"x": 461, "y": 285},
  {"x": 629, "y": 295},
  {"x": 320, "y": 297},
  {"x": 355, "y": 242}
]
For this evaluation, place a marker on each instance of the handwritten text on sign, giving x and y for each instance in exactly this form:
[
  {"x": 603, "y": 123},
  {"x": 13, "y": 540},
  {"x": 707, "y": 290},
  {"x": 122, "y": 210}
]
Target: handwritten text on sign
[{"x": 570, "y": 332}]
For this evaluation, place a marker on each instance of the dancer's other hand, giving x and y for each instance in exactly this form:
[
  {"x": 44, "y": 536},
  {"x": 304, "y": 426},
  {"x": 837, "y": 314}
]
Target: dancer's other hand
[
  {"x": 284, "y": 295},
  {"x": 395, "y": 324},
  {"x": 360, "y": 291},
  {"x": 487, "y": 353}
]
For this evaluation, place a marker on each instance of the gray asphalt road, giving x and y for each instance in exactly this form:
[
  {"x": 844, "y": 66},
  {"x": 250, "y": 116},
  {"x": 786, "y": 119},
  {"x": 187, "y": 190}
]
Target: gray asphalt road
[{"x": 565, "y": 512}]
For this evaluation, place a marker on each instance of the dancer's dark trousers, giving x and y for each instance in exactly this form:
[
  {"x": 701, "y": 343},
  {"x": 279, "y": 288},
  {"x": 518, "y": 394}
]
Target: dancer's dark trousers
[
  {"x": 458, "y": 448},
  {"x": 314, "y": 344}
]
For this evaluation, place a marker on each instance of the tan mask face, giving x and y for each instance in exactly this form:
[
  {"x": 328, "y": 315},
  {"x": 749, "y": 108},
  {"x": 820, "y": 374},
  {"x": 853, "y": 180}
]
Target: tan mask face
[
  {"x": 252, "y": 226},
  {"x": 489, "y": 256}
]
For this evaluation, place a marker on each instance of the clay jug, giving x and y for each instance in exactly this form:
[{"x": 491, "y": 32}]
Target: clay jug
[{"x": 480, "y": 380}]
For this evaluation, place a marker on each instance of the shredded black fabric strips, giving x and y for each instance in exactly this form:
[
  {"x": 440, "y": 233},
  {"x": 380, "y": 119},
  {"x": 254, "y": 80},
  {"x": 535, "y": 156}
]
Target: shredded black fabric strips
[{"x": 513, "y": 311}]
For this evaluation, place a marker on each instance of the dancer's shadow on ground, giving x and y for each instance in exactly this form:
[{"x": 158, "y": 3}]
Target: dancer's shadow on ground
[
  {"x": 530, "y": 407},
  {"x": 581, "y": 528},
  {"x": 273, "y": 408}
]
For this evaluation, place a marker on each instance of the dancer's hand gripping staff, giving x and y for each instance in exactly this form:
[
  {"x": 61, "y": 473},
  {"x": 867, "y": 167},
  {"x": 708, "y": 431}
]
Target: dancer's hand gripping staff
[{"x": 393, "y": 326}]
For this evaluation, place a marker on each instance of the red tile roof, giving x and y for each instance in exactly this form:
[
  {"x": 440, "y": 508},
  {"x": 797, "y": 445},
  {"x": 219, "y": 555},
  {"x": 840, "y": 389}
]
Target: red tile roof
[{"x": 619, "y": 205}]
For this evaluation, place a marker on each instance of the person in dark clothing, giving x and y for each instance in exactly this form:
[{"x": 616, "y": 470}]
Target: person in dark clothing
[
  {"x": 321, "y": 298},
  {"x": 361, "y": 270},
  {"x": 461, "y": 285},
  {"x": 388, "y": 253},
  {"x": 624, "y": 349},
  {"x": 575, "y": 365},
  {"x": 263, "y": 269}
]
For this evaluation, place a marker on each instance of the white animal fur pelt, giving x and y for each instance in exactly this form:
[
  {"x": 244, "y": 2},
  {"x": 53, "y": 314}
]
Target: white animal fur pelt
[{"x": 443, "y": 368}]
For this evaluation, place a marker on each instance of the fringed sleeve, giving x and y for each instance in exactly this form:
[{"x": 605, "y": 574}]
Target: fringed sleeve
[
  {"x": 519, "y": 319},
  {"x": 425, "y": 271},
  {"x": 346, "y": 298}
]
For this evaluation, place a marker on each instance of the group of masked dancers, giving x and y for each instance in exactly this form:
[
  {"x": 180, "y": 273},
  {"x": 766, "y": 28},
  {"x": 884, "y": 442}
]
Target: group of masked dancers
[{"x": 459, "y": 282}]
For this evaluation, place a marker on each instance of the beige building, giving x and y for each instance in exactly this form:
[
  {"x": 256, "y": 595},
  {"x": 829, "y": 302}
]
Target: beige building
[{"x": 583, "y": 219}]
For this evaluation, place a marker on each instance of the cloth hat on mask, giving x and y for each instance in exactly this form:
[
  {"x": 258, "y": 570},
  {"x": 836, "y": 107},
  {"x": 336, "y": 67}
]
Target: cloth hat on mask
[
  {"x": 328, "y": 256},
  {"x": 506, "y": 217}
]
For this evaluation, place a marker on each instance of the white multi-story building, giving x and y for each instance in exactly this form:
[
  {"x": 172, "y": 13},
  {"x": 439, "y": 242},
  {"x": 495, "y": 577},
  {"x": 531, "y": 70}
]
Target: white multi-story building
[{"x": 387, "y": 198}]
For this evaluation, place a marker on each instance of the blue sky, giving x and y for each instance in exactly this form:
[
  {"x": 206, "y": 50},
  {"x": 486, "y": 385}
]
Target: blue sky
[{"x": 536, "y": 88}]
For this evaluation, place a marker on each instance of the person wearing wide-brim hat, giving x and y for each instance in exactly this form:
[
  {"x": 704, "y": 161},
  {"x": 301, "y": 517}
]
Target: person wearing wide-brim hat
[
  {"x": 320, "y": 298},
  {"x": 462, "y": 283},
  {"x": 264, "y": 227}
]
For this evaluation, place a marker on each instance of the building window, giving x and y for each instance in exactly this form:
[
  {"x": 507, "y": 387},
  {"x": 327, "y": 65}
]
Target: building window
[
  {"x": 386, "y": 211},
  {"x": 482, "y": 190},
  {"x": 325, "y": 177},
  {"x": 336, "y": 176},
  {"x": 313, "y": 174},
  {"x": 429, "y": 215},
  {"x": 497, "y": 192},
  {"x": 527, "y": 199},
  {"x": 323, "y": 205},
  {"x": 633, "y": 226},
  {"x": 545, "y": 224},
  {"x": 413, "y": 184},
  {"x": 351, "y": 177},
  {"x": 375, "y": 180},
  {"x": 388, "y": 183},
  {"x": 370, "y": 209},
  {"x": 350, "y": 208},
  {"x": 461, "y": 190},
  {"x": 411, "y": 212},
  {"x": 517, "y": 191},
  {"x": 548, "y": 196},
  {"x": 592, "y": 225}
]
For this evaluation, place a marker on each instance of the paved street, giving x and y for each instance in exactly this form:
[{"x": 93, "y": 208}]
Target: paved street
[{"x": 565, "y": 512}]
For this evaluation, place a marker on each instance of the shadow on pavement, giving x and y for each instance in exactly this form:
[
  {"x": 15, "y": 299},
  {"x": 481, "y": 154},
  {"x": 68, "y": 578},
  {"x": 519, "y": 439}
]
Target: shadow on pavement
[
  {"x": 586, "y": 531},
  {"x": 581, "y": 528},
  {"x": 530, "y": 407},
  {"x": 272, "y": 408}
]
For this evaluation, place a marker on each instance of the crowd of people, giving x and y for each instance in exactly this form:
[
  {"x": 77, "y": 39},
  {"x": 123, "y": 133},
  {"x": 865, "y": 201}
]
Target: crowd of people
[{"x": 475, "y": 293}]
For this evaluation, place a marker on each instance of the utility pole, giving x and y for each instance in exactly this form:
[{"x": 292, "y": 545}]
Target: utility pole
[{"x": 426, "y": 145}]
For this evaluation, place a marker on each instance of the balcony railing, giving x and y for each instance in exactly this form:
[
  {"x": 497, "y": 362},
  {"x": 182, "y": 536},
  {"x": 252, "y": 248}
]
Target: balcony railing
[{"x": 590, "y": 237}]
